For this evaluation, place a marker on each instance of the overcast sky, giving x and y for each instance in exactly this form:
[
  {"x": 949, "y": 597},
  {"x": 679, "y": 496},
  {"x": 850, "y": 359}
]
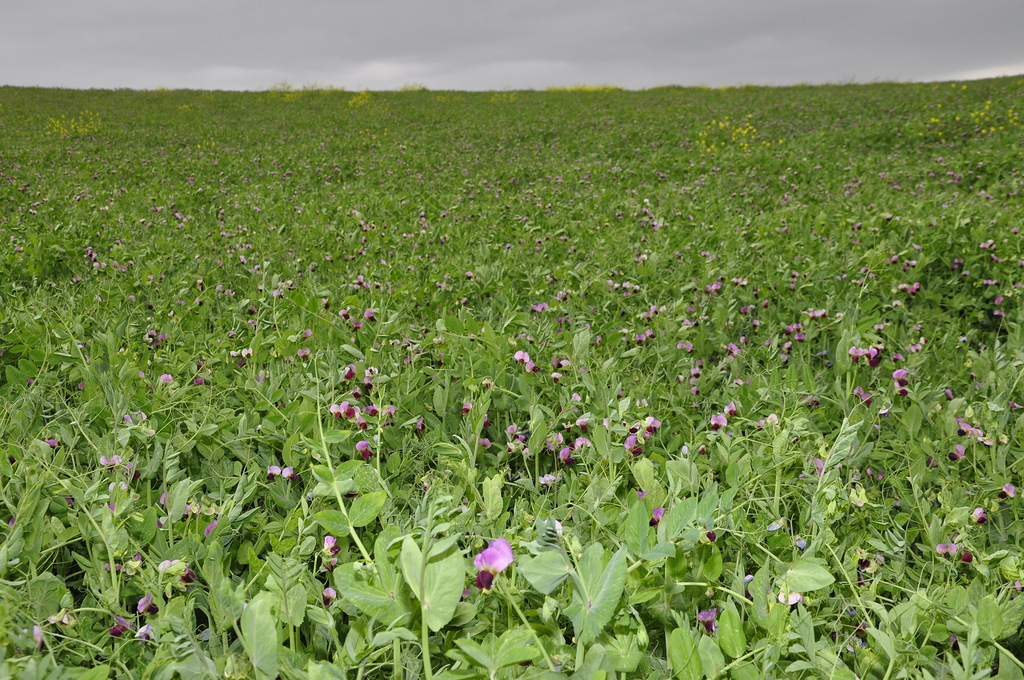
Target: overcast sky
[{"x": 491, "y": 45}]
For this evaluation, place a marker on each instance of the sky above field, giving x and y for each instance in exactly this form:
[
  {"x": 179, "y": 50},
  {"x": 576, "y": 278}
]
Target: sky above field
[{"x": 486, "y": 45}]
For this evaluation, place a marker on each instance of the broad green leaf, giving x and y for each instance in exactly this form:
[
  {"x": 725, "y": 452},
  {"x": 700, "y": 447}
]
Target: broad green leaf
[
  {"x": 492, "y": 497},
  {"x": 260, "y": 635},
  {"x": 989, "y": 618},
  {"x": 442, "y": 583},
  {"x": 807, "y": 575},
  {"x": 683, "y": 655},
  {"x": 361, "y": 588},
  {"x": 592, "y": 609},
  {"x": 636, "y": 530},
  {"x": 366, "y": 508},
  {"x": 514, "y": 647},
  {"x": 624, "y": 653},
  {"x": 334, "y": 522},
  {"x": 474, "y": 652},
  {"x": 883, "y": 641},
  {"x": 711, "y": 658},
  {"x": 676, "y": 519},
  {"x": 731, "y": 637},
  {"x": 545, "y": 571}
]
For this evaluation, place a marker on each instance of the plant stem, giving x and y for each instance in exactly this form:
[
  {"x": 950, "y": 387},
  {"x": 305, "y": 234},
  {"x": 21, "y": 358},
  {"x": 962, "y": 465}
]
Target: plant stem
[{"x": 522, "y": 617}]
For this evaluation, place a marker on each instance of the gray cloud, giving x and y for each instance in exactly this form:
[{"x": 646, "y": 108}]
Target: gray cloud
[{"x": 475, "y": 44}]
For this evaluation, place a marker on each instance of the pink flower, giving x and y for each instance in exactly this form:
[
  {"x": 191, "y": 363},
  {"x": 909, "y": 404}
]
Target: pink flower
[
  {"x": 493, "y": 560},
  {"x": 656, "y": 516},
  {"x": 166, "y": 379},
  {"x": 718, "y": 421}
]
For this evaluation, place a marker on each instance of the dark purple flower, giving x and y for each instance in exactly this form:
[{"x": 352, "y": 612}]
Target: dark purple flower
[
  {"x": 147, "y": 606},
  {"x": 656, "y": 516},
  {"x": 329, "y": 596},
  {"x": 707, "y": 617},
  {"x": 120, "y": 628}
]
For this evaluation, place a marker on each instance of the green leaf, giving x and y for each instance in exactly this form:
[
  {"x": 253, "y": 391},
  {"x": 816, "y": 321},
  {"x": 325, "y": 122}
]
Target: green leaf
[
  {"x": 474, "y": 652},
  {"x": 731, "y": 637},
  {"x": 492, "y": 497},
  {"x": 545, "y": 571},
  {"x": 807, "y": 575},
  {"x": 711, "y": 657},
  {"x": 676, "y": 519},
  {"x": 593, "y": 608},
  {"x": 683, "y": 655},
  {"x": 989, "y": 618},
  {"x": 334, "y": 522},
  {"x": 514, "y": 647},
  {"x": 362, "y": 589},
  {"x": 260, "y": 635},
  {"x": 366, "y": 508},
  {"x": 624, "y": 653},
  {"x": 636, "y": 530},
  {"x": 441, "y": 586}
]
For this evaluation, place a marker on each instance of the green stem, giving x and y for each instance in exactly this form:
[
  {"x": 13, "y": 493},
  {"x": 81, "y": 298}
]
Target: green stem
[
  {"x": 428, "y": 672},
  {"x": 522, "y": 617}
]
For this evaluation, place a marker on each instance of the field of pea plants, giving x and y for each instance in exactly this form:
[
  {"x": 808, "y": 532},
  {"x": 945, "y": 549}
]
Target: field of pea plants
[{"x": 585, "y": 383}]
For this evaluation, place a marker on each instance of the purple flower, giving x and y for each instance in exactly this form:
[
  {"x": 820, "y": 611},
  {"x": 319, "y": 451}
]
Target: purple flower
[
  {"x": 492, "y": 560},
  {"x": 146, "y": 605},
  {"x": 957, "y": 453},
  {"x": 329, "y": 595},
  {"x": 145, "y": 633},
  {"x": 947, "y": 548},
  {"x": 210, "y": 527},
  {"x": 1008, "y": 491},
  {"x": 272, "y": 472},
  {"x": 656, "y": 516},
  {"x": 120, "y": 628},
  {"x": 718, "y": 421},
  {"x": 363, "y": 449},
  {"x": 979, "y": 515},
  {"x": 330, "y": 545},
  {"x": 166, "y": 379},
  {"x": 707, "y": 617}
]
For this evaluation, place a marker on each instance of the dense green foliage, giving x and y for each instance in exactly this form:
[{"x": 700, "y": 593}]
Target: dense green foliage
[{"x": 737, "y": 374}]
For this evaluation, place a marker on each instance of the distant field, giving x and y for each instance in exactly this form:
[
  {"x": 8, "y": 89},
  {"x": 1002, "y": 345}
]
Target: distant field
[{"x": 683, "y": 382}]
